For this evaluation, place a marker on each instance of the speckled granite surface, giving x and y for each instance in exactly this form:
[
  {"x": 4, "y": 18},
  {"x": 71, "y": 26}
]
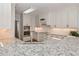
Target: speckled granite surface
[{"x": 68, "y": 46}]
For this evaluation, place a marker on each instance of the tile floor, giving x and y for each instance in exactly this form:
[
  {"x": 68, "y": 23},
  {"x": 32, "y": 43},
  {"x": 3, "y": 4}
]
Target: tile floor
[{"x": 68, "y": 46}]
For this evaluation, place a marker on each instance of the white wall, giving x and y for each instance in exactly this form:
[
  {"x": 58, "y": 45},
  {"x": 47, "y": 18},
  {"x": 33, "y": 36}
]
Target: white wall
[
  {"x": 7, "y": 16},
  {"x": 12, "y": 19}
]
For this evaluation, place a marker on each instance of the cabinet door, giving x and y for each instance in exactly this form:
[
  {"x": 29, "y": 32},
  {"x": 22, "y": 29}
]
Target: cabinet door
[
  {"x": 78, "y": 20},
  {"x": 37, "y": 23},
  {"x": 72, "y": 17},
  {"x": 33, "y": 22},
  {"x": 52, "y": 19},
  {"x": 46, "y": 16},
  {"x": 78, "y": 17},
  {"x": 26, "y": 20},
  {"x": 61, "y": 18},
  {"x": 64, "y": 19},
  {"x": 58, "y": 20}
]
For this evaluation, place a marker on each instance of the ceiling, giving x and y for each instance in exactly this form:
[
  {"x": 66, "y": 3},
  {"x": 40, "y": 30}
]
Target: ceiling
[{"x": 20, "y": 7}]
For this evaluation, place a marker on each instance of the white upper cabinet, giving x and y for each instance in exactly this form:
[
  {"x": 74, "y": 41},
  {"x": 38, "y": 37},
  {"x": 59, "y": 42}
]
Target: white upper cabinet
[
  {"x": 72, "y": 17},
  {"x": 44, "y": 16},
  {"x": 37, "y": 22},
  {"x": 57, "y": 19},
  {"x": 65, "y": 17},
  {"x": 78, "y": 17},
  {"x": 61, "y": 18},
  {"x": 26, "y": 20},
  {"x": 52, "y": 19}
]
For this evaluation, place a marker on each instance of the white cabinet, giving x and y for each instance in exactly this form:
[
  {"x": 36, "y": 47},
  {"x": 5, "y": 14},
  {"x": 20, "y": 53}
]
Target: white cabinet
[
  {"x": 44, "y": 16},
  {"x": 51, "y": 20},
  {"x": 72, "y": 17},
  {"x": 26, "y": 20},
  {"x": 58, "y": 19},
  {"x": 78, "y": 17},
  {"x": 37, "y": 23},
  {"x": 64, "y": 18},
  {"x": 61, "y": 19},
  {"x": 33, "y": 22},
  {"x": 78, "y": 22}
]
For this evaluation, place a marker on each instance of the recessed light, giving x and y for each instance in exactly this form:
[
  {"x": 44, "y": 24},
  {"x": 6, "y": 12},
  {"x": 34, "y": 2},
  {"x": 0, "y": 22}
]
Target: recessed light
[{"x": 29, "y": 11}]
